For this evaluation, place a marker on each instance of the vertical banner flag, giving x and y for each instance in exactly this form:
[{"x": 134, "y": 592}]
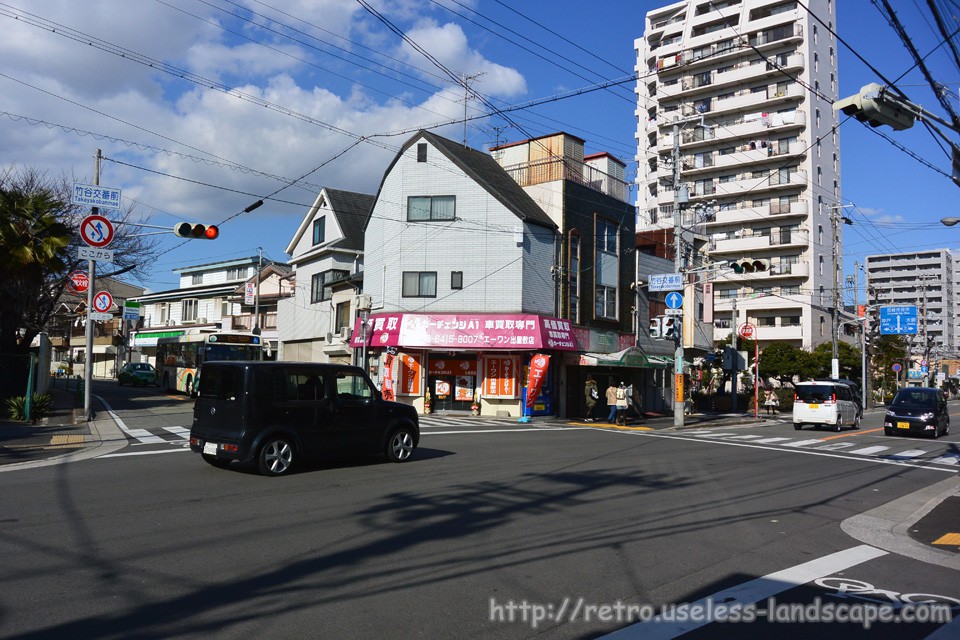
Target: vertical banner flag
[
  {"x": 249, "y": 293},
  {"x": 386, "y": 380},
  {"x": 538, "y": 371}
]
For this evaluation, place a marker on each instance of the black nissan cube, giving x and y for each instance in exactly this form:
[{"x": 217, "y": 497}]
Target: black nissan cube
[{"x": 274, "y": 414}]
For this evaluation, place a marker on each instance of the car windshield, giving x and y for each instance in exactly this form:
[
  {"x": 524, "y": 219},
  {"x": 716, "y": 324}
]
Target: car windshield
[
  {"x": 922, "y": 399},
  {"x": 814, "y": 393}
]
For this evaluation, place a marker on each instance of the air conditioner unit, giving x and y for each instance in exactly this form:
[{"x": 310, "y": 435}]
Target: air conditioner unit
[
  {"x": 201, "y": 320},
  {"x": 171, "y": 323},
  {"x": 345, "y": 332},
  {"x": 329, "y": 337}
]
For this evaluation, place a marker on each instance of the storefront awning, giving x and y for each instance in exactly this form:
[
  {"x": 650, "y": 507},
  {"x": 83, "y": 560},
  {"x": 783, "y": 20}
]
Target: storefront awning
[
  {"x": 468, "y": 331},
  {"x": 630, "y": 357}
]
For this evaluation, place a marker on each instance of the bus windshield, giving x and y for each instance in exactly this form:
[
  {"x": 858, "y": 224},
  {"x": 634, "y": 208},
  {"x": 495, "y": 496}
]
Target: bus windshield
[{"x": 222, "y": 351}]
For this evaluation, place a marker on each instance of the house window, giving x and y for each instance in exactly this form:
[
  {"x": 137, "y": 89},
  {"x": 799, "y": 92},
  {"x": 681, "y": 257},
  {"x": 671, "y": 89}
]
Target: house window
[
  {"x": 223, "y": 305},
  {"x": 196, "y": 278},
  {"x": 190, "y": 308},
  {"x": 423, "y": 208},
  {"x": 319, "y": 230},
  {"x": 606, "y": 302},
  {"x": 342, "y": 316},
  {"x": 606, "y": 237},
  {"x": 164, "y": 311},
  {"x": 456, "y": 279},
  {"x": 235, "y": 273},
  {"x": 419, "y": 284},
  {"x": 320, "y": 289},
  {"x": 422, "y": 152}
]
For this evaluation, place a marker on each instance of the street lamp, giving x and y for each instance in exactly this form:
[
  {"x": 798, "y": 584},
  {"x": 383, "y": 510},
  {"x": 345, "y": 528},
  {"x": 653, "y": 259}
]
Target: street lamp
[{"x": 949, "y": 222}]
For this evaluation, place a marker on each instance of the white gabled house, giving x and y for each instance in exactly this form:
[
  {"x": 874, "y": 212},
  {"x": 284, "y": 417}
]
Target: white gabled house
[{"x": 326, "y": 252}]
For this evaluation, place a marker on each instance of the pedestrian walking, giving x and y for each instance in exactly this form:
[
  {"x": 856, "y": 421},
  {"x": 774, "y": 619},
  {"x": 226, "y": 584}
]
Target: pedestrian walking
[
  {"x": 611, "y": 403},
  {"x": 771, "y": 401},
  {"x": 621, "y": 404},
  {"x": 591, "y": 394}
]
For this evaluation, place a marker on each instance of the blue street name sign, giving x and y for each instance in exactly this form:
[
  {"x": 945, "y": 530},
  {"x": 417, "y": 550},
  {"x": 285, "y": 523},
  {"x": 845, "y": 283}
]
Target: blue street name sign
[
  {"x": 898, "y": 320},
  {"x": 665, "y": 282}
]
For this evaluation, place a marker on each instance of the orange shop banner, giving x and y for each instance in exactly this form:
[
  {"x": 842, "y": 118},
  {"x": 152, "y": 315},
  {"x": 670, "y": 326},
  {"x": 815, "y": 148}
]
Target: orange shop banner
[
  {"x": 538, "y": 371},
  {"x": 410, "y": 375},
  {"x": 500, "y": 377}
]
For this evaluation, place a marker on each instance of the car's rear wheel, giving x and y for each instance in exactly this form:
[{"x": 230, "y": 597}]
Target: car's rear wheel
[
  {"x": 400, "y": 445},
  {"x": 836, "y": 427},
  {"x": 219, "y": 463},
  {"x": 276, "y": 457},
  {"x": 797, "y": 426},
  {"x": 887, "y": 431}
]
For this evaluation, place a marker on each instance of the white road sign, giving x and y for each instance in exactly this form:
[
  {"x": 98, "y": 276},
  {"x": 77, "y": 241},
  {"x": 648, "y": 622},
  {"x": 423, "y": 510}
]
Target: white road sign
[
  {"x": 666, "y": 282},
  {"x": 98, "y": 255},
  {"x": 92, "y": 195},
  {"x": 102, "y": 317}
]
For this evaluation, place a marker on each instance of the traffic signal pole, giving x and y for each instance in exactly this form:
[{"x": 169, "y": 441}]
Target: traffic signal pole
[{"x": 678, "y": 391}]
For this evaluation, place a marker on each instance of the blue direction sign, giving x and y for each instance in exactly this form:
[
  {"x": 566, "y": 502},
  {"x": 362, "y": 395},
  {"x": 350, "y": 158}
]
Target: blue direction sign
[
  {"x": 674, "y": 300},
  {"x": 898, "y": 320}
]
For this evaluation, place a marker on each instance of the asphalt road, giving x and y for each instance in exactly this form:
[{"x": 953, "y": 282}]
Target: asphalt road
[{"x": 503, "y": 531}]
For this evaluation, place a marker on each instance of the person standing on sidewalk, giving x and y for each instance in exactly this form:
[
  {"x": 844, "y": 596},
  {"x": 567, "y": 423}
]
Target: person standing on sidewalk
[
  {"x": 622, "y": 403},
  {"x": 611, "y": 403},
  {"x": 591, "y": 394}
]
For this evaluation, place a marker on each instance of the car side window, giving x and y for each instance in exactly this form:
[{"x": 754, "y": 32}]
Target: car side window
[{"x": 353, "y": 387}]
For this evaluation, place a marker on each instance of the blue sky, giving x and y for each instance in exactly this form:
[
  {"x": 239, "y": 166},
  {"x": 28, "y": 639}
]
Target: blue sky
[{"x": 285, "y": 90}]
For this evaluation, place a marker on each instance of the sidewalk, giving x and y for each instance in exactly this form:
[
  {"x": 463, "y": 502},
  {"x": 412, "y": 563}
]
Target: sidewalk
[{"x": 62, "y": 430}]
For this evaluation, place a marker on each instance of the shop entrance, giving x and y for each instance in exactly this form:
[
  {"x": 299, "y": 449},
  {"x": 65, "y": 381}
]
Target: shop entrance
[{"x": 452, "y": 382}]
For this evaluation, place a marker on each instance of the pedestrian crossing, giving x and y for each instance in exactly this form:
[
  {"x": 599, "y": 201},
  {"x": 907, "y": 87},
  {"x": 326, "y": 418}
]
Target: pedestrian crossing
[
  {"x": 179, "y": 436},
  {"x": 884, "y": 452}
]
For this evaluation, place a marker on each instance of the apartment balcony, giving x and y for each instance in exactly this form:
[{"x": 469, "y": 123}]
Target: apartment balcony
[
  {"x": 773, "y": 21},
  {"x": 560, "y": 168},
  {"x": 747, "y": 244},
  {"x": 799, "y": 208},
  {"x": 715, "y": 15},
  {"x": 752, "y": 126},
  {"x": 770, "y": 69}
]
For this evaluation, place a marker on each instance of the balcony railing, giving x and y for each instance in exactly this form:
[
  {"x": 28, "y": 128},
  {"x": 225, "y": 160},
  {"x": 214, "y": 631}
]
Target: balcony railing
[
  {"x": 246, "y": 322},
  {"x": 558, "y": 168}
]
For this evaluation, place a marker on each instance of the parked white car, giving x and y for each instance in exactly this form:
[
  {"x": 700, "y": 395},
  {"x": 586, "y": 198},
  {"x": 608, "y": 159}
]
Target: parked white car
[{"x": 825, "y": 403}]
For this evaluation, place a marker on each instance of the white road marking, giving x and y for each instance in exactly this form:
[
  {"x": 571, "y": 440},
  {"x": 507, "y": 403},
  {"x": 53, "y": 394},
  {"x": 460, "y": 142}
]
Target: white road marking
[
  {"x": 751, "y": 592},
  {"x": 869, "y": 451},
  {"x": 802, "y": 443},
  {"x": 772, "y": 440},
  {"x": 713, "y": 435},
  {"x": 911, "y": 453},
  {"x": 179, "y": 431},
  {"x": 145, "y": 453},
  {"x": 745, "y": 437},
  {"x": 142, "y": 435},
  {"x": 518, "y": 430},
  {"x": 835, "y": 446},
  {"x": 953, "y": 458}
]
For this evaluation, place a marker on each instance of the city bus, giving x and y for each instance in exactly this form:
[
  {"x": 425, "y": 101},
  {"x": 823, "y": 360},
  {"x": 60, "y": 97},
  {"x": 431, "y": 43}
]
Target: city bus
[{"x": 179, "y": 358}]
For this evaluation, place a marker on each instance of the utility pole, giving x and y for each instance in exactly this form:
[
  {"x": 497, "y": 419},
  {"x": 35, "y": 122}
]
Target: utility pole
[
  {"x": 923, "y": 325},
  {"x": 735, "y": 364},
  {"x": 466, "y": 80},
  {"x": 678, "y": 200},
  {"x": 835, "y": 230},
  {"x": 91, "y": 288},
  {"x": 256, "y": 301}
]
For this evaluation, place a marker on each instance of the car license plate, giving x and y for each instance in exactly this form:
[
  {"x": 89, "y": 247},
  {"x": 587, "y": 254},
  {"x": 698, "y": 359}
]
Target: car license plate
[
  {"x": 210, "y": 448},
  {"x": 903, "y": 425},
  {"x": 814, "y": 406}
]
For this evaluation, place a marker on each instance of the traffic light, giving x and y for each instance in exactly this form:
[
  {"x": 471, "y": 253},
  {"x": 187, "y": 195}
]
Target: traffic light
[
  {"x": 750, "y": 265},
  {"x": 655, "y": 327},
  {"x": 877, "y": 107},
  {"x": 196, "y": 230},
  {"x": 669, "y": 327}
]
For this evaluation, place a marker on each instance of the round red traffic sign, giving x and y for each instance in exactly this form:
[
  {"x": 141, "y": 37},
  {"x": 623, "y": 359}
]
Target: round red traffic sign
[
  {"x": 78, "y": 281},
  {"x": 896, "y": 367},
  {"x": 102, "y": 301},
  {"x": 96, "y": 231},
  {"x": 746, "y": 330}
]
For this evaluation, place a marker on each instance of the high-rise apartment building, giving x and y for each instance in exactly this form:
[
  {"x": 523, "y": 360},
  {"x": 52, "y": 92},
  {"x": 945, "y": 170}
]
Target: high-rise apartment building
[
  {"x": 924, "y": 279},
  {"x": 737, "y": 136}
]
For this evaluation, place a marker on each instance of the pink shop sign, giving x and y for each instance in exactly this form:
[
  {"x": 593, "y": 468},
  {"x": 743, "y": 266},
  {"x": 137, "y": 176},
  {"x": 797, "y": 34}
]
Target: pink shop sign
[{"x": 466, "y": 331}]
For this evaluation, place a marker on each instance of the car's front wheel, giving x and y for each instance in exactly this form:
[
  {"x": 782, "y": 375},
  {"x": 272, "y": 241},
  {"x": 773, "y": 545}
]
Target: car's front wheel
[
  {"x": 276, "y": 457},
  {"x": 797, "y": 426},
  {"x": 856, "y": 423},
  {"x": 400, "y": 445},
  {"x": 887, "y": 431}
]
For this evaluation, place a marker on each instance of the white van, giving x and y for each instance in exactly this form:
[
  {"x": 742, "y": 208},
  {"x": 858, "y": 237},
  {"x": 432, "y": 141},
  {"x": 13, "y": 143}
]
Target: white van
[{"x": 825, "y": 403}]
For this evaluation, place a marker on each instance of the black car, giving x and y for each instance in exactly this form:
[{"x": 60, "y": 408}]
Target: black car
[
  {"x": 920, "y": 410},
  {"x": 275, "y": 413},
  {"x": 854, "y": 387}
]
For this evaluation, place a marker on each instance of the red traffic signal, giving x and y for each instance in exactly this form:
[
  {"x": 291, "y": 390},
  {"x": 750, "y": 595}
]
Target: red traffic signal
[{"x": 196, "y": 230}]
